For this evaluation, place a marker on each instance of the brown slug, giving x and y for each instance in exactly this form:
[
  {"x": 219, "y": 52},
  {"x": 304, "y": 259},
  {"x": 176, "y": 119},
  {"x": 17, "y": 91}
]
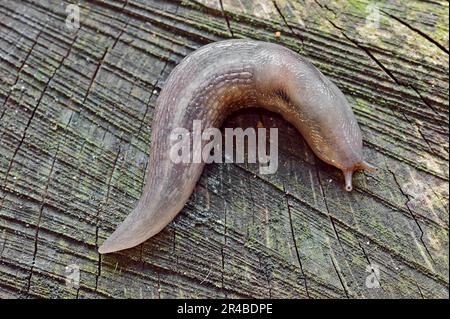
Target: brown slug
[{"x": 217, "y": 80}]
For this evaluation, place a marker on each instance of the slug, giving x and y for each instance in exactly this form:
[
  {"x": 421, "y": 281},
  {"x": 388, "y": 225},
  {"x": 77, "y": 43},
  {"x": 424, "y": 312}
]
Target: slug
[{"x": 219, "y": 79}]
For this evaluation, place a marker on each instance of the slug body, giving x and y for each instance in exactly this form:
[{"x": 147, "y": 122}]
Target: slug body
[{"x": 217, "y": 80}]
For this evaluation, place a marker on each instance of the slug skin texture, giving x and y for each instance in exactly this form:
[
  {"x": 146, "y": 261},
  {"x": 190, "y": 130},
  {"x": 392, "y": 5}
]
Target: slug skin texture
[{"x": 210, "y": 84}]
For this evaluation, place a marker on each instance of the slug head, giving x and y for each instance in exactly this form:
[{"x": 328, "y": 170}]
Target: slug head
[{"x": 344, "y": 149}]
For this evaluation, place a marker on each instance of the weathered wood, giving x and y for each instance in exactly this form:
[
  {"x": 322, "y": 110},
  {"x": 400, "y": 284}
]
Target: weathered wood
[{"x": 75, "y": 121}]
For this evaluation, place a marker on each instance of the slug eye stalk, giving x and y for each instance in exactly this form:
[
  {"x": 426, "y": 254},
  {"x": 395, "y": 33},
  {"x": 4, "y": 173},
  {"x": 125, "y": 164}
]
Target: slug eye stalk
[{"x": 348, "y": 180}]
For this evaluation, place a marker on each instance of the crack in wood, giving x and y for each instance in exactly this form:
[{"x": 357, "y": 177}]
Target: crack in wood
[
  {"x": 331, "y": 219},
  {"x": 386, "y": 71},
  {"x": 418, "y": 31},
  {"x": 340, "y": 278},
  {"x": 304, "y": 277},
  {"x": 408, "y": 199},
  {"x": 224, "y": 14},
  {"x": 33, "y": 113},
  {"x": 20, "y": 71},
  {"x": 97, "y": 217},
  {"x": 369, "y": 263},
  {"x": 201, "y": 25},
  {"x": 285, "y": 21}
]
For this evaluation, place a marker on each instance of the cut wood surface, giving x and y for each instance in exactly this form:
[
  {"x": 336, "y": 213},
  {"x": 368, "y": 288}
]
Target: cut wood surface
[{"x": 76, "y": 110}]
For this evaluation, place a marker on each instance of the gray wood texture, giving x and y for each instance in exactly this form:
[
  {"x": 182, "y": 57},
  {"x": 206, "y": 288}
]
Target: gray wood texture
[{"x": 76, "y": 109}]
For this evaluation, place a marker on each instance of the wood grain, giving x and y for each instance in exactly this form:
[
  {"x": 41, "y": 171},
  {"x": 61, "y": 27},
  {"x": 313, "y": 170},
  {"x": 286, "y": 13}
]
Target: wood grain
[{"x": 75, "y": 122}]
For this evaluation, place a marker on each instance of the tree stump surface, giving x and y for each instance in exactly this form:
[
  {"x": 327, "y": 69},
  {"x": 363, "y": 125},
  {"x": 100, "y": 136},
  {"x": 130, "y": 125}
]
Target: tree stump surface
[{"x": 76, "y": 108}]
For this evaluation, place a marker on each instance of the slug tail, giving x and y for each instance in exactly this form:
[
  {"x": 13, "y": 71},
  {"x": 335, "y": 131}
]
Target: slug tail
[
  {"x": 134, "y": 230},
  {"x": 121, "y": 239},
  {"x": 112, "y": 244},
  {"x": 152, "y": 213}
]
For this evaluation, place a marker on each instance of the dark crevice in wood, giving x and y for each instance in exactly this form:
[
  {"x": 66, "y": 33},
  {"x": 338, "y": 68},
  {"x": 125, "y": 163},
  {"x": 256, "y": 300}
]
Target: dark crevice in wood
[
  {"x": 285, "y": 21},
  {"x": 38, "y": 225},
  {"x": 21, "y": 68},
  {"x": 423, "y": 34},
  {"x": 224, "y": 14},
  {"x": 369, "y": 263},
  {"x": 94, "y": 76},
  {"x": 391, "y": 76},
  {"x": 331, "y": 219},
  {"x": 294, "y": 240},
  {"x": 97, "y": 217},
  {"x": 412, "y": 215},
  {"x": 340, "y": 278}
]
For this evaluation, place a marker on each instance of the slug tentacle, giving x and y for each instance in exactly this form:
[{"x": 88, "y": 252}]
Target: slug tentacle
[
  {"x": 367, "y": 167},
  {"x": 348, "y": 180},
  {"x": 217, "y": 80}
]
